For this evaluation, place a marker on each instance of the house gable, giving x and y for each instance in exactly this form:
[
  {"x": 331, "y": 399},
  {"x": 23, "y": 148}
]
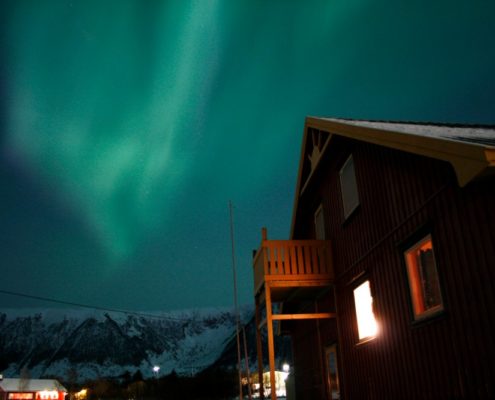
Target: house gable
[{"x": 469, "y": 150}]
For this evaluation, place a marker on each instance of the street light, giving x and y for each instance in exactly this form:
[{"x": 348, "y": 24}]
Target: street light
[{"x": 156, "y": 370}]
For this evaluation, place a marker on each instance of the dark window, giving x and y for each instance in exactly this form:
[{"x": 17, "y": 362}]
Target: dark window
[
  {"x": 348, "y": 184},
  {"x": 319, "y": 224}
]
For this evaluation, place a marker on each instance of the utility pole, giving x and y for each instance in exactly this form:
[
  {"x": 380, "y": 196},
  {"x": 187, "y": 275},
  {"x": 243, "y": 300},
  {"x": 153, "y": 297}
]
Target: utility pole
[
  {"x": 236, "y": 306},
  {"x": 246, "y": 359}
]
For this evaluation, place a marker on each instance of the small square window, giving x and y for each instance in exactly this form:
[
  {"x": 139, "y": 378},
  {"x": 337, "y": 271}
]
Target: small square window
[
  {"x": 348, "y": 185},
  {"x": 363, "y": 302},
  {"x": 423, "y": 279}
]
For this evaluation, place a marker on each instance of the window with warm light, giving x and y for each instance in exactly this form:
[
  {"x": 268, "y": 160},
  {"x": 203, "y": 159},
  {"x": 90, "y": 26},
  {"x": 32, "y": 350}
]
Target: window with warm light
[
  {"x": 348, "y": 186},
  {"x": 423, "y": 279},
  {"x": 363, "y": 301}
]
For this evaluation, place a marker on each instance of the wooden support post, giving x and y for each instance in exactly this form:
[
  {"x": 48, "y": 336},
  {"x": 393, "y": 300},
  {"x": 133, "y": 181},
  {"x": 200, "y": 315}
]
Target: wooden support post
[
  {"x": 259, "y": 347},
  {"x": 271, "y": 346},
  {"x": 264, "y": 235},
  {"x": 321, "y": 354}
]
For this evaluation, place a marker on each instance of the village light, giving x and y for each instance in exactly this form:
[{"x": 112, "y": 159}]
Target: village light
[
  {"x": 48, "y": 395},
  {"x": 156, "y": 370},
  {"x": 285, "y": 373},
  {"x": 82, "y": 394}
]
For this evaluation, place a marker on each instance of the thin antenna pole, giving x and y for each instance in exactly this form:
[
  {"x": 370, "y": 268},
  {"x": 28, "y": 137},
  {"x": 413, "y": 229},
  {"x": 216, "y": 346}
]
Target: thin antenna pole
[
  {"x": 246, "y": 358},
  {"x": 236, "y": 306}
]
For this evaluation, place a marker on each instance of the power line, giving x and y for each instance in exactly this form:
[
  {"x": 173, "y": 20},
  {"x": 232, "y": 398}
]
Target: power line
[{"x": 128, "y": 312}]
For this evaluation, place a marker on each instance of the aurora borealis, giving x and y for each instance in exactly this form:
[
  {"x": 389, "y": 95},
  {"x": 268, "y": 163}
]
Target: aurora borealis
[{"x": 127, "y": 126}]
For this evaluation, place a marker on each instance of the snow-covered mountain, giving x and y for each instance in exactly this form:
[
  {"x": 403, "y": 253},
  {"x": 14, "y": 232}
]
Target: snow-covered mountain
[{"x": 81, "y": 344}]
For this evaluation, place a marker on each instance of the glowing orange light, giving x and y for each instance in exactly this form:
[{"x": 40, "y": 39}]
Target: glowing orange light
[{"x": 367, "y": 326}]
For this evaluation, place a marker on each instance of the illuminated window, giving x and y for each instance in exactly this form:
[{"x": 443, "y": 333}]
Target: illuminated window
[
  {"x": 350, "y": 199},
  {"x": 423, "y": 279},
  {"x": 363, "y": 301},
  {"x": 47, "y": 395}
]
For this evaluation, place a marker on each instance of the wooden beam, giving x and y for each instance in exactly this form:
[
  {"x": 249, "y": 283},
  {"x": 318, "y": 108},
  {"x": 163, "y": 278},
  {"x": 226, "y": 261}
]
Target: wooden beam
[
  {"x": 282, "y": 317},
  {"x": 291, "y": 281}
]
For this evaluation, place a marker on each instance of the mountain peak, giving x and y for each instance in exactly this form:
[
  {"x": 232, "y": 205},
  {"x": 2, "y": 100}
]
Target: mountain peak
[{"x": 92, "y": 344}]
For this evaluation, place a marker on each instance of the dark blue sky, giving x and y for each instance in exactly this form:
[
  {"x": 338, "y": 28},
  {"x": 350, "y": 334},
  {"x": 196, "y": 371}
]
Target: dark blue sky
[{"x": 127, "y": 126}]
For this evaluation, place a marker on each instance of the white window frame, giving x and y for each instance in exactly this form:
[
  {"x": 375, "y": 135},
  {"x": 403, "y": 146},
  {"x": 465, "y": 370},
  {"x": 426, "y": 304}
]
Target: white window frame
[
  {"x": 348, "y": 187},
  {"x": 319, "y": 218}
]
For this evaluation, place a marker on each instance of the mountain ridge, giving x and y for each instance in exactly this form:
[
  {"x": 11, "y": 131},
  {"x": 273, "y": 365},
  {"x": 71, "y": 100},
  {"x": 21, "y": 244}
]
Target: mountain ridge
[{"x": 92, "y": 344}]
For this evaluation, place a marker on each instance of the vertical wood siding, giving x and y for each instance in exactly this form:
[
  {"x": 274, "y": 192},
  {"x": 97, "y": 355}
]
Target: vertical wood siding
[{"x": 445, "y": 357}]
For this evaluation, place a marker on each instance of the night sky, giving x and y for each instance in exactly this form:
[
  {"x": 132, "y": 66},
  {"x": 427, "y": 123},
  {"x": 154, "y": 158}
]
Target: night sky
[{"x": 127, "y": 126}]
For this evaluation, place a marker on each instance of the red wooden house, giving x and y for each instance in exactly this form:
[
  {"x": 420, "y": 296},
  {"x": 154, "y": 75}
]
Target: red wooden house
[{"x": 387, "y": 284}]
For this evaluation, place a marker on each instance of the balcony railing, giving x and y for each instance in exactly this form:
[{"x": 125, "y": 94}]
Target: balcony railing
[{"x": 296, "y": 260}]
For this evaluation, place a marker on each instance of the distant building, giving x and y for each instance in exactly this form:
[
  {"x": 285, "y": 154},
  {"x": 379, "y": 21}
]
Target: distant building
[
  {"x": 31, "y": 389},
  {"x": 387, "y": 284}
]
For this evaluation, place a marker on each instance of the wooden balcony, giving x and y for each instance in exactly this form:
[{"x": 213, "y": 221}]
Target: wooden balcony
[
  {"x": 288, "y": 271},
  {"x": 292, "y": 263}
]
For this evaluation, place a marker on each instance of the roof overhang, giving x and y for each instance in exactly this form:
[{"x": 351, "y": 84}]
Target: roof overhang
[{"x": 469, "y": 159}]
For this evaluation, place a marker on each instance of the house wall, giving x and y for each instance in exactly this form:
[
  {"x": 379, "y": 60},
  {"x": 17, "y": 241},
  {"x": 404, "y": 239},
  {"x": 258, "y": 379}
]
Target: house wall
[
  {"x": 310, "y": 338},
  {"x": 401, "y": 197}
]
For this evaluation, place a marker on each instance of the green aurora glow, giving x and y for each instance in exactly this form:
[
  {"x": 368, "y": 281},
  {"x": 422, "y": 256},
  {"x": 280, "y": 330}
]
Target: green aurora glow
[{"x": 128, "y": 126}]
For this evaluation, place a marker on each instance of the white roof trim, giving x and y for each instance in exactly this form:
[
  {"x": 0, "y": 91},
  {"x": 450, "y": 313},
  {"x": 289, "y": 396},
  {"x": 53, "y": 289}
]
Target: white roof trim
[{"x": 30, "y": 385}]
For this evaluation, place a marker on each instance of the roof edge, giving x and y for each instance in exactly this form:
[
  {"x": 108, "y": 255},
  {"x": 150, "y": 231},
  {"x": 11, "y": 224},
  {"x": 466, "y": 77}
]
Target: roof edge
[{"x": 468, "y": 159}]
